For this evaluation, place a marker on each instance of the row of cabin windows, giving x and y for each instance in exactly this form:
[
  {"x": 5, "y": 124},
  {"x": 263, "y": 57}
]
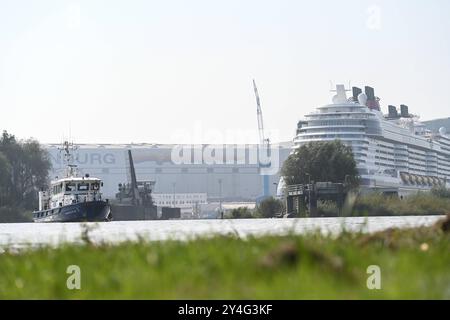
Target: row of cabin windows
[
  {"x": 71, "y": 186},
  {"x": 178, "y": 202},
  {"x": 43, "y": 214}
]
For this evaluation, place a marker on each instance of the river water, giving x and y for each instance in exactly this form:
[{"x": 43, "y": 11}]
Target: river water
[{"x": 17, "y": 235}]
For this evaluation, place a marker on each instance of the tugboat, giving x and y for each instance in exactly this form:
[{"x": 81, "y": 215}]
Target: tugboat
[{"x": 72, "y": 198}]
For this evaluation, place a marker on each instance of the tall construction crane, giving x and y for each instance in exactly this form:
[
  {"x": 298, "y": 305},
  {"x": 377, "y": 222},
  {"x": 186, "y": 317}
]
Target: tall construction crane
[
  {"x": 264, "y": 143},
  {"x": 262, "y": 140}
]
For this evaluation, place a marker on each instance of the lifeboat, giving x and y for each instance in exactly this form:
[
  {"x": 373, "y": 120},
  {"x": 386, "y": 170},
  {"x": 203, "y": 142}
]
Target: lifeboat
[
  {"x": 404, "y": 177},
  {"x": 422, "y": 180}
]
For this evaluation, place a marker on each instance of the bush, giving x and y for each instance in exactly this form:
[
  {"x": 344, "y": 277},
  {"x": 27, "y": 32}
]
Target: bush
[
  {"x": 327, "y": 209},
  {"x": 419, "y": 204},
  {"x": 376, "y": 204},
  {"x": 240, "y": 213},
  {"x": 12, "y": 215},
  {"x": 270, "y": 207},
  {"x": 441, "y": 192}
]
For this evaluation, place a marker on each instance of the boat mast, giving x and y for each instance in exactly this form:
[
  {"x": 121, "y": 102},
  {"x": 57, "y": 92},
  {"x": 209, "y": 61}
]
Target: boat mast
[{"x": 68, "y": 149}]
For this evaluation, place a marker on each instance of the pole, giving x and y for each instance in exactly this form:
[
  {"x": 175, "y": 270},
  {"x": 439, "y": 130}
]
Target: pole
[
  {"x": 309, "y": 192},
  {"x": 220, "y": 199},
  {"x": 173, "y": 203},
  {"x": 276, "y": 189}
]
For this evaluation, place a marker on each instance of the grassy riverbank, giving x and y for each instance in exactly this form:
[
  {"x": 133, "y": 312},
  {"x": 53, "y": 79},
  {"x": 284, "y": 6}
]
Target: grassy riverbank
[
  {"x": 414, "y": 264},
  {"x": 420, "y": 204}
]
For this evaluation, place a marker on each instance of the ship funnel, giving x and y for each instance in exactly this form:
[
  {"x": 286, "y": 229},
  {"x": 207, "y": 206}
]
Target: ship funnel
[
  {"x": 393, "y": 113},
  {"x": 356, "y": 91},
  {"x": 372, "y": 101},
  {"x": 370, "y": 93},
  {"x": 341, "y": 95},
  {"x": 404, "y": 111}
]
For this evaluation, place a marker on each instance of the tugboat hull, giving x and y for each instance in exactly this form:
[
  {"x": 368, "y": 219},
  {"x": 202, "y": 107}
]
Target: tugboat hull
[{"x": 93, "y": 211}]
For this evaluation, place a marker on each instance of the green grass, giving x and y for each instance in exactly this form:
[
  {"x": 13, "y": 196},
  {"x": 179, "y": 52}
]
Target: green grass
[
  {"x": 226, "y": 267},
  {"x": 418, "y": 204}
]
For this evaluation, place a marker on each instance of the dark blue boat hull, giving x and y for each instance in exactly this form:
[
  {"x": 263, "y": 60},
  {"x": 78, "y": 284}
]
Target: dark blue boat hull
[{"x": 78, "y": 212}]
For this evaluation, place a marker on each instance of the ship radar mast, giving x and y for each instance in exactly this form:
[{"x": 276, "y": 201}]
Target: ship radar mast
[{"x": 68, "y": 150}]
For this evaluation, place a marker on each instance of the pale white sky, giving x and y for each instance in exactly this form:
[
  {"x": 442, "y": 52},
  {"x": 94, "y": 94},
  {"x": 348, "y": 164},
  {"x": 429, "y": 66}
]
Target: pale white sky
[{"x": 180, "y": 71}]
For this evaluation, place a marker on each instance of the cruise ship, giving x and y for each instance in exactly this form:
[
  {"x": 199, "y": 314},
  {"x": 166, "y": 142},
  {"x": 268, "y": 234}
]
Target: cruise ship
[{"x": 395, "y": 153}]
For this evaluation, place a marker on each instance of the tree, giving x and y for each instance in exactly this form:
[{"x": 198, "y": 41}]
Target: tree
[
  {"x": 5, "y": 179},
  {"x": 270, "y": 207},
  {"x": 34, "y": 174},
  {"x": 24, "y": 171},
  {"x": 321, "y": 162}
]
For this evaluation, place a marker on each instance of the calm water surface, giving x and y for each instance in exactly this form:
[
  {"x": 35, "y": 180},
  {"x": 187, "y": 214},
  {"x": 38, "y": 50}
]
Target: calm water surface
[{"x": 36, "y": 234}]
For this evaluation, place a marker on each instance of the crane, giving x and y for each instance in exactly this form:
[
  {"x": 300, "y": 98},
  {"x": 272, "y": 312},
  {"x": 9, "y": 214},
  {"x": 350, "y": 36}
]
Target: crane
[
  {"x": 262, "y": 140},
  {"x": 264, "y": 143}
]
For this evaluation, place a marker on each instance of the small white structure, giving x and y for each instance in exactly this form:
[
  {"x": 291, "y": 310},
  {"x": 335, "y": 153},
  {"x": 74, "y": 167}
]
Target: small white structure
[{"x": 189, "y": 203}]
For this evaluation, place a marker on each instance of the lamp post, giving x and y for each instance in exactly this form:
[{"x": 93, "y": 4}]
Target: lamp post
[
  {"x": 346, "y": 180},
  {"x": 173, "y": 185},
  {"x": 220, "y": 199},
  {"x": 309, "y": 191}
]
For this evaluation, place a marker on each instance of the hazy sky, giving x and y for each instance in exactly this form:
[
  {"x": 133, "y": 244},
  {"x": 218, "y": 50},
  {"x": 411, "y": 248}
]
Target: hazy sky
[{"x": 181, "y": 71}]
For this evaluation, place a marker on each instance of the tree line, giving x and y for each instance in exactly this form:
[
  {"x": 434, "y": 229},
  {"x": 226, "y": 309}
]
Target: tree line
[{"x": 24, "y": 167}]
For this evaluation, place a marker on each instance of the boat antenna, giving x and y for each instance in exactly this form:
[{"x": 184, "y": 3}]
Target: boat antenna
[{"x": 68, "y": 150}]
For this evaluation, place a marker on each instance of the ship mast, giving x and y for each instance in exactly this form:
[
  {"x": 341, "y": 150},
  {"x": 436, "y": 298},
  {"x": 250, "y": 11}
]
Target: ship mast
[{"x": 68, "y": 149}]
